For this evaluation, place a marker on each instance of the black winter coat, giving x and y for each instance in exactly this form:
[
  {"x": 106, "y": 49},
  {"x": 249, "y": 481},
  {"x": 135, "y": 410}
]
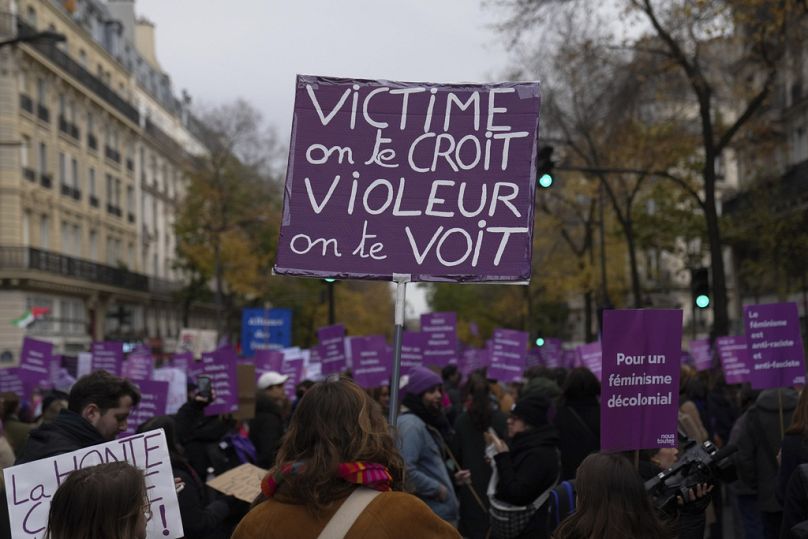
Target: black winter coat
[
  {"x": 578, "y": 424},
  {"x": 199, "y": 435},
  {"x": 795, "y": 503},
  {"x": 266, "y": 431},
  {"x": 201, "y": 519},
  {"x": 526, "y": 471},
  {"x": 67, "y": 432}
]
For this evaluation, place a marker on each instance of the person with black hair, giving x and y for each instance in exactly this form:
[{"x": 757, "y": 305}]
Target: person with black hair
[
  {"x": 16, "y": 430},
  {"x": 578, "y": 420},
  {"x": 98, "y": 407}
]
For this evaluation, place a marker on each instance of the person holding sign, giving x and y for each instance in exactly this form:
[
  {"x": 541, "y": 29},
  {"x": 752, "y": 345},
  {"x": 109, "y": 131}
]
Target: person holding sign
[
  {"x": 106, "y": 500},
  {"x": 338, "y": 474}
]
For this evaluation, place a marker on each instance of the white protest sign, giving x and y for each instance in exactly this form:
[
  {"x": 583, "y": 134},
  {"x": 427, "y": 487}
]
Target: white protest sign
[
  {"x": 177, "y": 386},
  {"x": 30, "y": 487},
  {"x": 84, "y": 364}
]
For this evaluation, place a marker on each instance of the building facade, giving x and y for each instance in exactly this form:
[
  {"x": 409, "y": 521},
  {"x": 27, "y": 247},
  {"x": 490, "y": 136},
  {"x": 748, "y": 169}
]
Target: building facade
[{"x": 94, "y": 149}]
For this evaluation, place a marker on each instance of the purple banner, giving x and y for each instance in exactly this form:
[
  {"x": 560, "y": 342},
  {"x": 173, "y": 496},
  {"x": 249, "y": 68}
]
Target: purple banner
[
  {"x": 775, "y": 345},
  {"x": 220, "y": 366},
  {"x": 182, "y": 361},
  {"x": 639, "y": 396},
  {"x": 268, "y": 360},
  {"x": 551, "y": 353},
  {"x": 734, "y": 357},
  {"x": 569, "y": 359},
  {"x": 371, "y": 361},
  {"x": 293, "y": 368},
  {"x": 534, "y": 358},
  {"x": 139, "y": 365},
  {"x": 153, "y": 402},
  {"x": 508, "y": 354},
  {"x": 702, "y": 354},
  {"x": 35, "y": 364},
  {"x": 591, "y": 356},
  {"x": 413, "y": 344},
  {"x": 434, "y": 181},
  {"x": 441, "y": 344},
  {"x": 10, "y": 381},
  {"x": 332, "y": 338},
  {"x": 107, "y": 356}
]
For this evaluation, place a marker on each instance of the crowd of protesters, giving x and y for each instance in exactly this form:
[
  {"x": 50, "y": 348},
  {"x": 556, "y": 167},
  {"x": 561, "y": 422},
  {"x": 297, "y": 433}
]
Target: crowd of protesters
[{"x": 467, "y": 457}]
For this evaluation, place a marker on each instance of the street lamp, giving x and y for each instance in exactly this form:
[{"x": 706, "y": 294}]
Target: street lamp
[{"x": 330, "y": 282}]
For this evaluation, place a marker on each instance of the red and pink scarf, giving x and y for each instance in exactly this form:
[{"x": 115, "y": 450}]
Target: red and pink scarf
[{"x": 367, "y": 474}]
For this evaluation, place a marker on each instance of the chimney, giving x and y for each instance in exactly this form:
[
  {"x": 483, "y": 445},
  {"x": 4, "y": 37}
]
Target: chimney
[{"x": 144, "y": 41}]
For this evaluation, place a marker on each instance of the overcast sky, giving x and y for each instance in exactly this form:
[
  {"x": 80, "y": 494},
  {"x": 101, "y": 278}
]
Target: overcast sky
[{"x": 252, "y": 49}]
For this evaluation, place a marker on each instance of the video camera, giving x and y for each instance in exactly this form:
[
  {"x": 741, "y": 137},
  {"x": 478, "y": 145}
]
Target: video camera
[{"x": 697, "y": 464}]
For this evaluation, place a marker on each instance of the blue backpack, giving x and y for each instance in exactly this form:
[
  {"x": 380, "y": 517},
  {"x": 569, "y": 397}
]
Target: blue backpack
[{"x": 562, "y": 504}]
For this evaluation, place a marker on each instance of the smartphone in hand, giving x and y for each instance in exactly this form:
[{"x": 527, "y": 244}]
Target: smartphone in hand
[{"x": 203, "y": 387}]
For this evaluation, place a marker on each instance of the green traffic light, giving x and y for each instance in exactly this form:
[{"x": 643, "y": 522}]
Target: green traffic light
[
  {"x": 539, "y": 342},
  {"x": 702, "y": 301},
  {"x": 546, "y": 181},
  {"x": 329, "y": 280}
]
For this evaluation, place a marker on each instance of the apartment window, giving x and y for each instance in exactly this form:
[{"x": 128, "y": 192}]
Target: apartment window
[
  {"x": 117, "y": 192},
  {"x": 44, "y": 232},
  {"x": 74, "y": 172},
  {"x": 24, "y": 149},
  {"x": 41, "y": 91},
  {"x": 110, "y": 188},
  {"x": 23, "y": 82},
  {"x": 76, "y": 240},
  {"x": 91, "y": 182},
  {"x": 26, "y": 228},
  {"x": 130, "y": 199},
  {"x": 93, "y": 245},
  {"x": 62, "y": 106},
  {"x": 43, "y": 158},
  {"x": 156, "y": 266},
  {"x": 66, "y": 238},
  {"x": 30, "y": 14},
  {"x": 130, "y": 258},
  {"x": 90, "y": 123},
  {"x": 83, "y": 58},
  {"x": 62, "y": 169}
]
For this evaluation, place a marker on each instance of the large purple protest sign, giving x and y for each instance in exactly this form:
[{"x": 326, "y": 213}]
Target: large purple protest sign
[
  {"x": 371, "y": 361},
  {"x": 35, "y": 364},
  {"x": 107, "y": 356},
  {"x": 702, "y": 354},
  {"x": 474, "y": 359},
  {"x": 534, "y": 358},
  {"x": 569, "y": 359},
  {"x": 153, "y": 403},
  {"x": 292, "y": 367},
  {"x": 734, "y": 357},
  {"x": 413, "y": 344},
  {"x": 591, "y": 356},
  {"x": 441, "y": 344},
  {"x": 332, "y": 338},
  {"x": 508, "y": 354},
  {"x": 268, "y": 360},
  {"x": 639, "y": 395},
  {"x": 551, "y": 353},
  {"x": 139, "y": 365},
  {"x": 220, "y": 366},
  {"x": 775, "y": 345},
  {"x": 429, "y": 180},
  {"x": 182, "y": 360},
  {"x": 11, "y": 382}
]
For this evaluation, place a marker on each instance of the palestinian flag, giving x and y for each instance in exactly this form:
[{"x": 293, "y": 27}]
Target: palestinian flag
[{"x": 31, "y": 316}]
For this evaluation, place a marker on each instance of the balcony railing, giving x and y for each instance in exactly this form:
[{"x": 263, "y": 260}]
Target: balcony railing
[
  {"x": 93, "y": 201},
  {"x": 92, "y": 142},
  {"x": 130, "y": 165},
  {"x": 112, "y": 154},
  {"x": 114, "y": 210},
  {"x": 26, "y": 103},
  {"x": 29, "y": 174},
  {"x": 130, "y": 217},
  {"x": 46, "y": 180},
  {"x": 28, "y": 258},
  {"x": 68, "y": 128},
  {"x": 75, "y": 70},
  {"x": 66, "y": 189},
  {"x": 42, "y": 112}
]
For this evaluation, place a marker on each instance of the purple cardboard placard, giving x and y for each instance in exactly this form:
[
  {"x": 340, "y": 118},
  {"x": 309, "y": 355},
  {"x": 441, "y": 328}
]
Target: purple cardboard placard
[
  {"x": 10, "y": 381},
  {"x": 107, "y": 356},
  {"x": 372, "y": 362},
  {"x": 534, "y": 358},
  {"x": 734, "y": 356},
  {"x": 775, "y": 345},
  {"x": 293, "y": 368},
  {"x": 551, "y": 353},
  {"x": 591, "y": 356},
  {"x": 508, "y": 354},
  {"x": 153, "y": 402},
  {"x": 182, "y": 361},
  {"x": 268, "y": 360},
  {"x": 640, "y": 391},
  {"x": 702, "y": 354},
  {"x": 413, "y": 344},
  {"x": 35, "y": 364},
  {"x": 569, "y": 359},
  {"x": 220, "y": 366},
  {"x": 441, "y": 344},
  {"x": 431, "y": 180},
  {"x": 332, "y": 338},
  {"x": 139, "y": 365}
]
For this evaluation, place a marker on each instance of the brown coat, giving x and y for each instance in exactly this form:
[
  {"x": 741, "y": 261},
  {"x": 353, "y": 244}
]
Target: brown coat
[{"x": 391, "y": 515}]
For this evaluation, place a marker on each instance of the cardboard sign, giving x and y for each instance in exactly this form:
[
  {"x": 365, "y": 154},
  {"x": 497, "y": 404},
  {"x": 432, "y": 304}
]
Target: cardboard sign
[
  {"x": 441, "y": 344},
  {"x": 30, "y": 487},
  {"x": 702, "y": 354},
  {"x": 245, "y": 385},
  {"x": 35, "y": 364},
  {"x": 775, "y": 345},
  {"x": 107, "y": 356},
  {"x": 177, "y": 381},
  {"x": 508, "y": 354},
  {"x": 591, "y": 357},
  {"x": 242, "y": 482},
  {"x": 153, "y": 401},
  {"x": 293, "y": 367},
  {"x": 430, "y": 180},
  {"x": 640, "y": 391},
  {"x": 220, "y": 366},
  {"x": 332, "y": 338},
  {"x": 197, "y": 341},
  {"x": 10, "y": 381},
  {"x": 372, "y": 362},
  {"x": 734, "y": 357},
  {"x": 267, "y": 360}
]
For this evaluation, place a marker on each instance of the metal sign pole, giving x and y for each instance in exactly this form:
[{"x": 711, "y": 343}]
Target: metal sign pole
[{"x": 401, "y": 289}]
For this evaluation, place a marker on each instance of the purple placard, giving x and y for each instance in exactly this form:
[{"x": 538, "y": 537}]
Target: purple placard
[
  {"x": 139, "y": 365},
  {"x": 441, "y": 344},
  {"x": 534, "y": 358},
  {"x": 332, "y": 338},
  {"x": 220, "y": 366},
  {"x": 551, "y": 353},
  {"x": 293, "y": 368},
  {"x": 371, "y": 361},
  {"x": 702, "y": 354},
  {"x": 641, "y": 356},
  {"x": 107, "y": 356},
  {"x": 434, "y": 181},
  {"x": 734, "y": 356},
  {"x": 569, "y": 359},
  {"x": 35, "y": 364},
  {"x": 591, "y": 356},
  {"x": 508, "y": 354},
  {"x": 775, "y": 345},
  {"x": 10, "y": 381},
  {"x": 413, "y": 344},
  {"x": 182, "y": 361},
  {"x": 153, "y": 401},
  {"x": 268, "y": 360}
]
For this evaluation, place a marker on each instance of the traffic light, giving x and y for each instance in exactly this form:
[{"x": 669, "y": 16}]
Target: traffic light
[
  {"x": 539, "y": 342},
  {"x": 700, "y": 287},
  {"x": 544, "y": 167}
]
